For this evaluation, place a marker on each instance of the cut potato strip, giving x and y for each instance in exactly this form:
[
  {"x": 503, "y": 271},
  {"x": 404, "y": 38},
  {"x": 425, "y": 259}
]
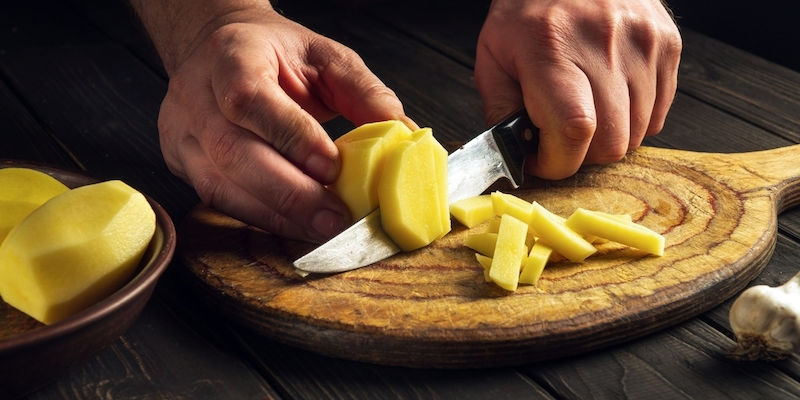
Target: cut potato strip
[
  {"x": 502, "y": 248},
  {"x": 554, "y": 233},
  {"x": 534, "y": 264},
  {"x": 614, "y": 229},
  {"x": 486, "y": 263},
  {"x": 473, "y": 211},
  {"x": 483, "y": 242},
  {"x": 504, "y": 203},
  {"x": 509, "y": 252}
]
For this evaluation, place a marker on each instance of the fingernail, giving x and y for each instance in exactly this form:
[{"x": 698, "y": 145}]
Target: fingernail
[
  {"x": 327, "y": 223},
  {"x": 321, "y": 168}
]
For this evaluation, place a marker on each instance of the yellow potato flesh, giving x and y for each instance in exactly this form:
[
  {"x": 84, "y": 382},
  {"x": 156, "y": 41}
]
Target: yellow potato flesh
[
  {"x": 616, "y": 230},
  {"x": 534, "y": 264},
  {"x": 359, "y": 194},
  {"x": 509, "y": 252},
  {"x": 362, "y": 152},
  {"x": 494, "y": 225},
  {"x": 22, "y": 190},
  {"x": 557, "y": 235},
  {"x": 74, "y": 250},
  {"x": 504, "y": 203},
  {"x": 552, "y": 237},
  {"x": 483, "y": 242},
  {"x": 412, "y": 192},
  {"x": 473, "y": 210},
  {"x": 486, "y": 263}
]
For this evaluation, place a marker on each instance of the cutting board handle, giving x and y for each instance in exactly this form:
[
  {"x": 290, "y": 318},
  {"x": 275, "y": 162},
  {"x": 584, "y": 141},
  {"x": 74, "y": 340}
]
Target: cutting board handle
[
  {"x": 775, "y": 170},
  {"x": 778, "y": 168}
]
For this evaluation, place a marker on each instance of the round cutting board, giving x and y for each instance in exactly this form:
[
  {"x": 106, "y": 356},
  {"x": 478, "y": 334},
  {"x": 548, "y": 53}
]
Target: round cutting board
[{"x": 433, "y": 308}]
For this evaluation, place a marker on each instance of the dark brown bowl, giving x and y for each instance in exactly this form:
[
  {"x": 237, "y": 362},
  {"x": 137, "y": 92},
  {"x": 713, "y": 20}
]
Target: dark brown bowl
[{"x": 33, "y": 354}]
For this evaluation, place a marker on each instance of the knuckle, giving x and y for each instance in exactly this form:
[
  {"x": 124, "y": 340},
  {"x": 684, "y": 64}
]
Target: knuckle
[
  {"x": 376, "y": 89},
  {"x": 290, "y": 137},
  {"x": 654, "y": 127},
  {"x": 277, "y": 224},
  {"x": 208, "y": 189},
  {"x": 673, "y": 45},
  {"x": 645, "y": 36},
  {"x": 605, "y": 154},
  {"x": 287, "y": 199},
  {"x": 238, "y": 95},
  {"x": 552, "y": 33},
  {"x": 611, "y": 154},
  {"x": 579, "y": 130},
  {"x": 178, "y": 86},
  {"x": 324, "y": 52}
]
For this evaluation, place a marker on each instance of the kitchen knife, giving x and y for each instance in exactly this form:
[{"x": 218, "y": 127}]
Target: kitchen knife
[{"x": 496, "y": 153}]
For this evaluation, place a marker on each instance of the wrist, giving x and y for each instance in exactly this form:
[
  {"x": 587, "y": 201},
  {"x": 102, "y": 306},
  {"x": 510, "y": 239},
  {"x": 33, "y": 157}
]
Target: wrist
[{"x": 176, "y": 28}]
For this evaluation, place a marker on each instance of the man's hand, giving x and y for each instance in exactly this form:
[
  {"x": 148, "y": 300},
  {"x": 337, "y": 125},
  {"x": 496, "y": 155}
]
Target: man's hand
[
  {"x": 240, "y": 118},
  {"x": 595, "y": 76}
]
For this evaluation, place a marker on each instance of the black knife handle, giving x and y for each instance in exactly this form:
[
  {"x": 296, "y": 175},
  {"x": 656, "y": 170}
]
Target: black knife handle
[{"x": 516, "y": 136}]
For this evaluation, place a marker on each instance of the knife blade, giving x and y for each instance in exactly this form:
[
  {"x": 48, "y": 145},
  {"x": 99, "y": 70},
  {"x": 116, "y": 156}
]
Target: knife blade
[{"x": 497, "y": 153}]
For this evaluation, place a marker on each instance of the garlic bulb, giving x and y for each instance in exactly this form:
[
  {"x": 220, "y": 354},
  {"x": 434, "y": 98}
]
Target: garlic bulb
[{"x": 766, "y": 321}]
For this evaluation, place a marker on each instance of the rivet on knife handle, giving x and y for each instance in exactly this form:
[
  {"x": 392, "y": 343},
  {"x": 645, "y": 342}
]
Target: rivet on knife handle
[{"x": 516, "y": 136}]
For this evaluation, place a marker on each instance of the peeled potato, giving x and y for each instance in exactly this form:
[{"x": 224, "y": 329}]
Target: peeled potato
[
  {"x": 74, "y": 250},
  {"x": 22, "y": 190}
]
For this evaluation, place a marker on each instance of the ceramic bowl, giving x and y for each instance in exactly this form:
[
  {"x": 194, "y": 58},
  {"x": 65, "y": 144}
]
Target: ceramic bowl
[{"x": 33, "y": 354}]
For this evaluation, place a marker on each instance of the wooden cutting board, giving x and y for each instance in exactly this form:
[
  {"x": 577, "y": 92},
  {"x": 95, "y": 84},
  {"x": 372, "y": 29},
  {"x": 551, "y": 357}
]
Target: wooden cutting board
[{"x": 432, "y": 307}]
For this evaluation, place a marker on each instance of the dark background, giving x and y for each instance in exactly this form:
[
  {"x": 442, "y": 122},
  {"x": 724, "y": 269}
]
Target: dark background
[{"x": 768, "y": 28}]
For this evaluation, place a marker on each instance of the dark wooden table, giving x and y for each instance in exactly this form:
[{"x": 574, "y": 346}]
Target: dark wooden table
[{"x": 80, "y": 88}]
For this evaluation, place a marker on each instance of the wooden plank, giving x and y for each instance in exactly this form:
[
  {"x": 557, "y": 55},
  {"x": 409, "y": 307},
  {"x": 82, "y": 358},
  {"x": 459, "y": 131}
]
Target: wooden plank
[
  {"x": 23, "y": 137},
  {"x": 117, "y": 20},
  {"x": 161, "y": 357},
  {"x": 683, "y": 362},
  {"x": 770, "y": 27},
  {"x": 697, "y": 126},
  {"x": 765, "y": 94},
  {"x": 305, "y": 375},
  {"x": 49, "y": 22}
]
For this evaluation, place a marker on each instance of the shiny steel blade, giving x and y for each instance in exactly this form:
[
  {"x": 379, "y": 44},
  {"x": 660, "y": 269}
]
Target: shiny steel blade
[
  {"x": 476, "y": 166},
  {"x": 471, "y": 169},
  {"x": 360, "y": 245}
]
